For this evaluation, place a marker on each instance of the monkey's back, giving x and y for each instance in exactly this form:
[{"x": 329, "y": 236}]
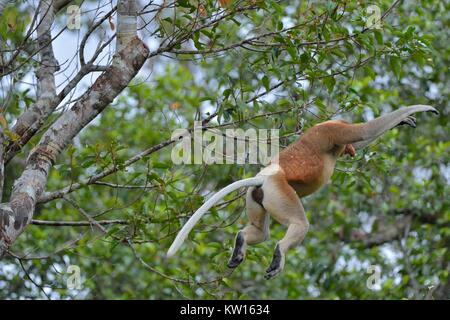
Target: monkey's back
[{"x": 305, "y": 166}]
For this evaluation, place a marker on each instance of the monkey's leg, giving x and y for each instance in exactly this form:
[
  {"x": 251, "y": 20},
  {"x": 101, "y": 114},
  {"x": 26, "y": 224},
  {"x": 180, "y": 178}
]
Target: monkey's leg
[
  {"x": 284, "y": 205},
  {"x": 255, "y": 232},
  {"x": 294, "y": 236}
]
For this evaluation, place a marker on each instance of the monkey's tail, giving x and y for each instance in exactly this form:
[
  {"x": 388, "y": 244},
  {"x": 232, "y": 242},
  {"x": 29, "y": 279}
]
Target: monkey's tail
[{"x": 182, "y": 235}]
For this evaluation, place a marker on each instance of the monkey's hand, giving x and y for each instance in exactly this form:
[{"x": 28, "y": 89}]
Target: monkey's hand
[
  {"x": 349, "y": 150},
  {"x": 409, "y": 121}
]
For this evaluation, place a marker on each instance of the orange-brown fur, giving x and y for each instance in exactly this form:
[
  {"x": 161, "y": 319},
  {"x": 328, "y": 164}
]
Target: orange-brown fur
[
  {"x": 309, "y": 162},
  {"x": 299, "y": 170}
]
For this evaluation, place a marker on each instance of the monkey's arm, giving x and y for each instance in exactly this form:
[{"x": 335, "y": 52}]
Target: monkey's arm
[{"x": 376, "y": 127}]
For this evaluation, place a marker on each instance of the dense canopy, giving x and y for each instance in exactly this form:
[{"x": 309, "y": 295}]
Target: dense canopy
[{"x": 113, "y": 199}]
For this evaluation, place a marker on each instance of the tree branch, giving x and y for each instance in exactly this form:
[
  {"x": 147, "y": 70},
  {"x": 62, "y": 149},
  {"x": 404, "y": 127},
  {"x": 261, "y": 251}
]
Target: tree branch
[
  {"x": 45, "y": 75},
  {"x": 32, "y": 120},
  {"x": 389, "y": 233},
  {"x": 76, "y": 223},
  {"x": 2, "y": 161},
  {"x": 15, "y": 215}
]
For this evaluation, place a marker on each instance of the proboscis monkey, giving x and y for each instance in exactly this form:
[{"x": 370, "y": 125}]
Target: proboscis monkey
[{"x": 298, "y": 170}]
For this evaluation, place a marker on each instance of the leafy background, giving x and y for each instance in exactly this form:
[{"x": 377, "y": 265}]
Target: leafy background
[{"x": 387, "y": 207}]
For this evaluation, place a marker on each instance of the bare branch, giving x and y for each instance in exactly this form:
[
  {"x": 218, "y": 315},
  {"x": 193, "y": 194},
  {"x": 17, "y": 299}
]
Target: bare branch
[
  {"x": 391, "y": 232},
  {"x": 60, "y": 4},
  {"x": 15, "y": 215},
  {"x": 32, "y": 120},
  {"x": 89, "y": 32},
  {"x": 123, "y": 186},
  {"x": 2, "y": 160},
  {"x": 76, "y": 223},
  {"x": 48, "y": 196},
  {"x": 126, "y": 23},
  {"x": 44, "y": 105},
  {"x": 66, "y": 246}
]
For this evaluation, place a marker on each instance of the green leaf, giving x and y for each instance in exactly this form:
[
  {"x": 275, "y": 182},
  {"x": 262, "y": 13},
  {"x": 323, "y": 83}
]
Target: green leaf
[
  {"x": 160, "y": 165},
  {"x": 322, "y": 107},
  {"x": 396, "y": 66},
  {"x": 266, "y": 83},
  {"x": 370, "y": 72},
  {"x": 292, "y": 52},
  {"x": 304, "y": 58},
  {"x": 378, "y": 36},
  {"x": 329, "y": 83},
  {"x": 226, "y": 93}
]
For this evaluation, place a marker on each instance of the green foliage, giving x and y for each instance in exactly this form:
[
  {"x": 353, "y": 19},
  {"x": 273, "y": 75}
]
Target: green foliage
[{"x": 330, "y": 65}]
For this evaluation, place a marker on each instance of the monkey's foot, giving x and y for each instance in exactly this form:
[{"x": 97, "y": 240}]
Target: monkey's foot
[
  {"x": 409, "y": 120},
  {"x": 238, "y": 252},
  {"x": 276, "y": 266}
]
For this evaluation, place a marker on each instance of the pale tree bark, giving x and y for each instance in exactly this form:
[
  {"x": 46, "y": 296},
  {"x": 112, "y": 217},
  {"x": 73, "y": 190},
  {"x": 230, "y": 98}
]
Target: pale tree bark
[
  {"x": 26, "y": 125},
  {"x": 2, "y": 161},
  {"x": 126, "y": 23},
  {"x": 18, "y": 212}
]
